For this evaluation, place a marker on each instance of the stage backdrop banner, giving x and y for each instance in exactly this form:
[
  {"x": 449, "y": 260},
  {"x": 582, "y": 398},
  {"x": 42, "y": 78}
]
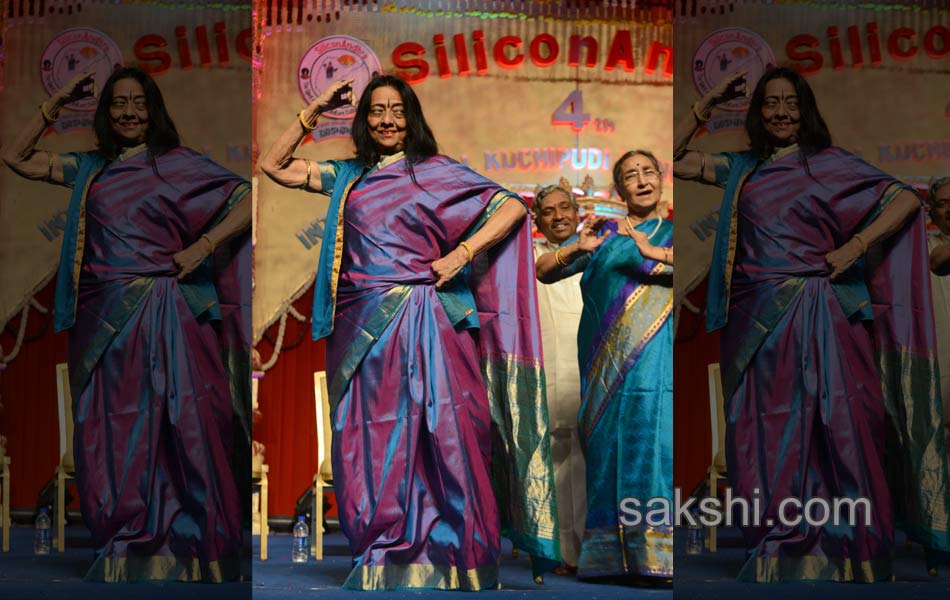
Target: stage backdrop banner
[
  {"x": 522, "y": 98},
  {"x": 199, "y": 54},
  {"x": 879, "y": 72}
]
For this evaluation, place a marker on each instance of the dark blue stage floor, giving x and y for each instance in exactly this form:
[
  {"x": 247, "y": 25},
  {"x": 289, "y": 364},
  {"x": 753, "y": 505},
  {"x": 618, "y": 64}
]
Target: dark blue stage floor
[
  {"x": 24, "y": 576},
  {"x": 708, "y": 576},
  {"x": 278, "y": 578},
  {"x": 712, "y": 576}
]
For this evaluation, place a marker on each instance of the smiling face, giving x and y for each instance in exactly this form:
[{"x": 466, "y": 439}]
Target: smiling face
[
  {"x": 128, "y": 112},
  {"x": 780, "y": 112},
  {"x": 387, "y": 121},
  {"x": 557, "y": 218},
  {"x": 642, "y": 186},
  {"x": 940, "y": 209}
]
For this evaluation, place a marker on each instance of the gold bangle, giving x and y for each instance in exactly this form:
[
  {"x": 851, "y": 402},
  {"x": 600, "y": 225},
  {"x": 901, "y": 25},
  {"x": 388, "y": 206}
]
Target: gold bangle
[
  {"x": 308, "y": 127},
  {"x": 699, "y": 117},
  {"x": 309, "y": 172},
  {"x": 49, "y": 174},
  {"x": 667, "y": 255},
  {"x": 46, "y": 117},
  {"x": 210, "y": 241},
  {"x": 557, "y": 257},
  {"x": 471, "y": 255},
  {"x": 864, "y": 246}
]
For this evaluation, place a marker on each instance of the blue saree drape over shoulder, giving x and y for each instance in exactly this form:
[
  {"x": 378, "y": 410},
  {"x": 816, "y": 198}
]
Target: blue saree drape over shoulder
[
  {"x": 625, "y": 351},
  {"x": 440, "y": 427}
]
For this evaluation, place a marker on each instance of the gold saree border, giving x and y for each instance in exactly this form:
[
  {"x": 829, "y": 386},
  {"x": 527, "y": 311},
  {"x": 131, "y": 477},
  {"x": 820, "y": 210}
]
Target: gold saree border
[
  {"x": 734, "y": 232},
  {"x": 624, "y": 550},
  {"x": 760, "y": 327},
  {"x": 367, "y": 335},
  {"x": 109, "y": 326},
  {"x": 338, "y": 242},
  {"x": 816, "y": 568},
  {"x": 81, "y": 236},
  {"x": 535, "y": 512},
  {"x": 921, "y": 477},
  {"x": 655, "y": 307},
  {"x": 416, "y": 576},
  {"x": 164, "y": 568}
]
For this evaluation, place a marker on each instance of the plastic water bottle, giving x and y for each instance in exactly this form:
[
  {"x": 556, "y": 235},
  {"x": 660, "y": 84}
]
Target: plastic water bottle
[
  {"x": 41, "y": 539},
  {"x": 301, "y": 550}
]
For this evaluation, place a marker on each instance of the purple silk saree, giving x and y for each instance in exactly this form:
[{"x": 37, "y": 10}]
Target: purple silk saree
[
  {"x": 151, "y": 366},
  {"x": 440, "y": 425},
  {"x": 822, "y": 378}
]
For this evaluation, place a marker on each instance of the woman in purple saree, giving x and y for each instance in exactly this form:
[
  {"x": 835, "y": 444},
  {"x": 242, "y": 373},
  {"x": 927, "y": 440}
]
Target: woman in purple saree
[
  {"x": 426, "y": 296},
  {"x": 819, "y": 281},
  {"x": 157, "y": 339}
]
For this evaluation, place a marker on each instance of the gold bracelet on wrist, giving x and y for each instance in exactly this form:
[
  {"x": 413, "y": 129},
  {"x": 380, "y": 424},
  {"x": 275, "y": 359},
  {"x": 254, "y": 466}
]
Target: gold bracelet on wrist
[
  {"x": 306, "y": 184},
  {"x": 557, "y": 257},
  {"x": 471, "y": 255},
  {"x": 864, "y": 245},
  {"x": 210, "y": 241},
  {"x": 699, "y": 117},
  {"x": 307, "y": 126}
]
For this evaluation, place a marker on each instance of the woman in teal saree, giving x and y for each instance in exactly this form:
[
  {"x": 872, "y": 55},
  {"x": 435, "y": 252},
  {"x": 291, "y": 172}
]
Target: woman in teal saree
[{"x": 625, "y": 353}]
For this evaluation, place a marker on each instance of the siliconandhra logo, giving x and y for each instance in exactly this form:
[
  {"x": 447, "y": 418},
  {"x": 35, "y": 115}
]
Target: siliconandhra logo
[
  {"x": 332, "y": 59},
  {"x": 75, "y": 51},
  {"x": 726, "y": 51}
]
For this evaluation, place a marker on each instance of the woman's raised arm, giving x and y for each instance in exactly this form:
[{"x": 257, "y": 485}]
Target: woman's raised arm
[
  {"x": 697, "y": 165},
  {"x": 21, "y": 154},
  {"x": 279, "y": 162}
]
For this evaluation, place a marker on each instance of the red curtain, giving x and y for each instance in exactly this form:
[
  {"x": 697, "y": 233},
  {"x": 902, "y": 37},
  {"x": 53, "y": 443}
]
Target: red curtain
[
  {"x": 29, "y": 417},
  {"x": 692, "y": 351},
  {"x": 285, "y": 397}
]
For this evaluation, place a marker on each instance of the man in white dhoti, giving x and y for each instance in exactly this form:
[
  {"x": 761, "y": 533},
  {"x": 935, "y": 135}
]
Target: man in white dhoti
[
  {"x": 938, "y": 242},
  {"x": 560, "y": 305}
]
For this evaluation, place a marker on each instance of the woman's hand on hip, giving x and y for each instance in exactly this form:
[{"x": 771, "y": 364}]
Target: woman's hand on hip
[
  {"x": 448, "y": 266},
  {"x": 840, "y": 259},
  {"x": 191, "y": 257}
]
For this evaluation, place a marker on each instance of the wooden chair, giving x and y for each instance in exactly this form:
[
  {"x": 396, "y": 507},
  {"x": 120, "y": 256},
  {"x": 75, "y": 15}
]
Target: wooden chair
[
  {"x": 717, "y": 424},
  {"x": 66, "y": 469},
  {"x": 5, "y": 500},
  {"x": 323, "y": 479},
  {"x": 259, "y": 478}
]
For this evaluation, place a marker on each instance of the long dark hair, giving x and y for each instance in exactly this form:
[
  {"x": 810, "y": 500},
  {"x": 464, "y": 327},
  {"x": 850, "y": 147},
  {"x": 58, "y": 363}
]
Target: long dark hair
[
  {"x": 420, "y": 143},
  {"x": 618, "y": 172},
  {"x": 813, "y": 135},
  {"x": 161, "y": 135}
]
